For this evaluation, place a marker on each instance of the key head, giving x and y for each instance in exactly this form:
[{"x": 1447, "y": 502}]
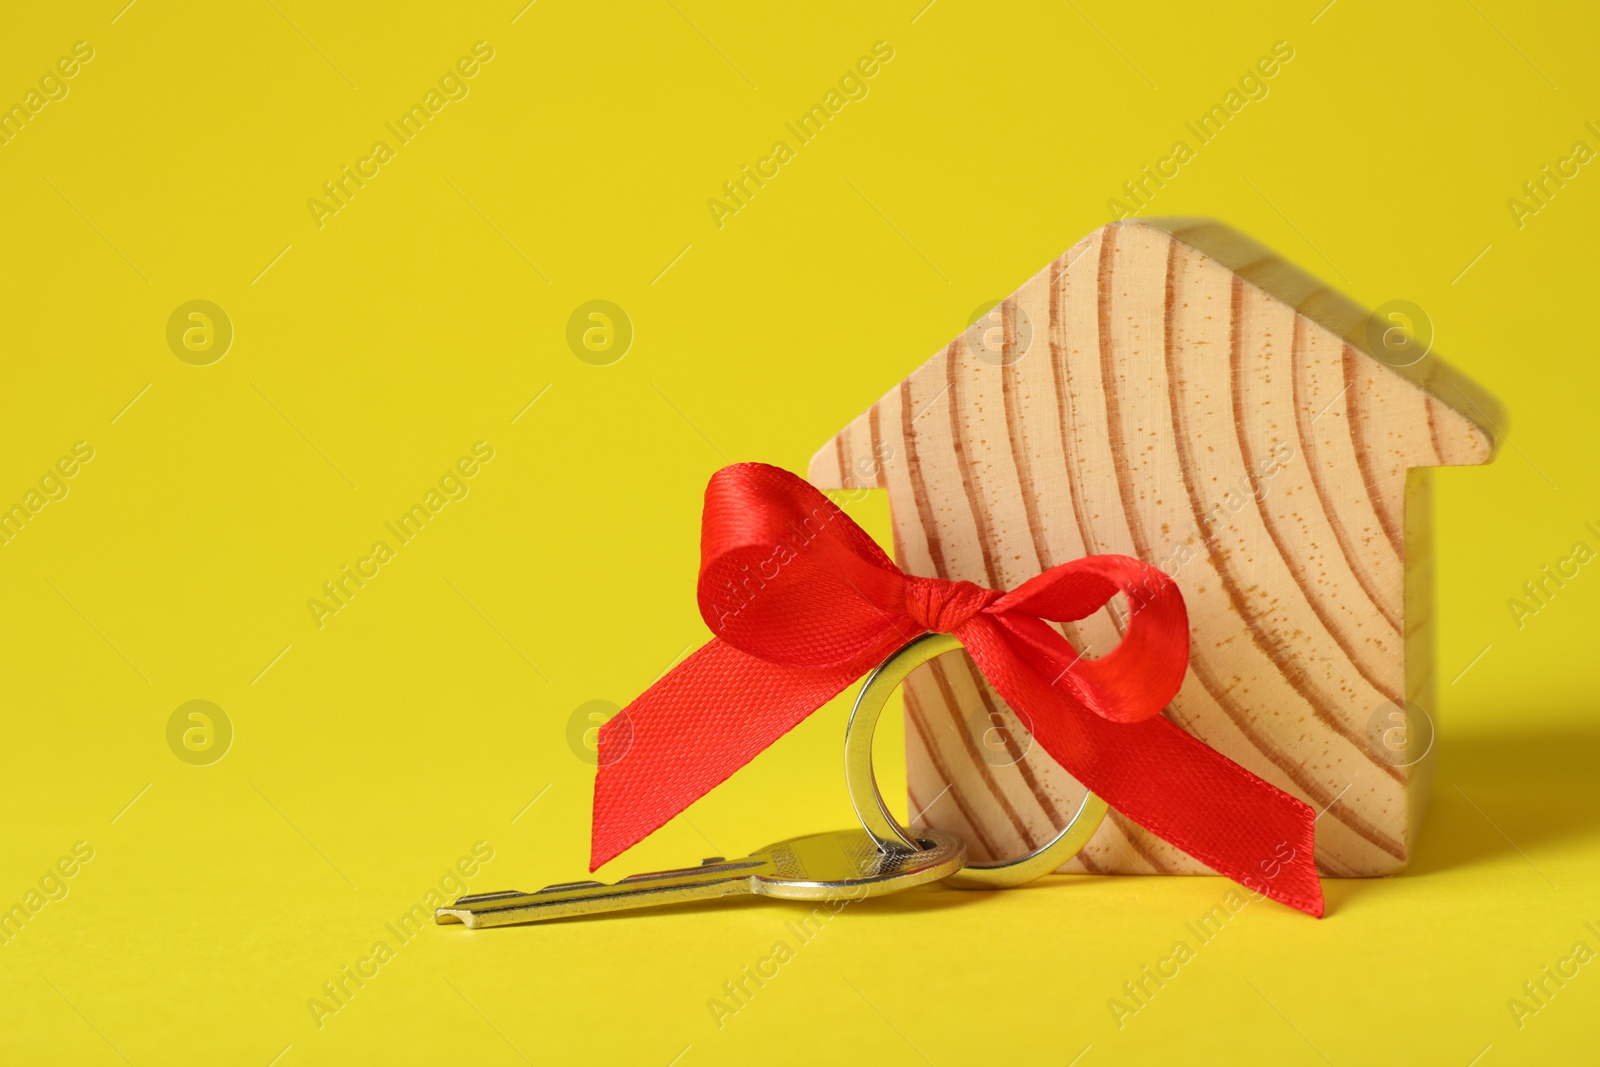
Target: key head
[{"x": 849, "y": 863}]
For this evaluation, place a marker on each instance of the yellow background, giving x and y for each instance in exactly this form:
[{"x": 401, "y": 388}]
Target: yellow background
[{"x": 426, "y": 315}]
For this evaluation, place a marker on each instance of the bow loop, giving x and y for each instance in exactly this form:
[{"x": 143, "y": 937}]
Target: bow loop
[
  {"x": 1136, "y": 679},
  {"x": 787, "y": 577}
]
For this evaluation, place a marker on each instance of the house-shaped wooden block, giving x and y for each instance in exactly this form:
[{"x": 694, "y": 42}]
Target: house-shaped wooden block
[{"x": 1167, "y": 389}]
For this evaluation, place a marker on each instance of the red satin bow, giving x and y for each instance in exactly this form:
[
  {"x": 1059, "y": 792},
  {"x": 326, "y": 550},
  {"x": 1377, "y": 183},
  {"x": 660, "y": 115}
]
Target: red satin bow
[{"x": 803, "y": 603}]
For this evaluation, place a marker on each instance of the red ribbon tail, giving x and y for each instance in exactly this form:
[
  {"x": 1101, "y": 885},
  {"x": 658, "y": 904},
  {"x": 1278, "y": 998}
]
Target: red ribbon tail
[
  {"x": 685, "y": 735},
  {"x": 1227, "y": 818},
  {"x": 1170, "y": 783}
]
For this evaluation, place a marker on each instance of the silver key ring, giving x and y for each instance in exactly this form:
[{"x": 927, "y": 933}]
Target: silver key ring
[{"x": 889, "y": 834}]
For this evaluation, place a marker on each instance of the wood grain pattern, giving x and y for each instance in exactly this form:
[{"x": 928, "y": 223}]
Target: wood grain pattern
[{"x": 1193, "y": 400}]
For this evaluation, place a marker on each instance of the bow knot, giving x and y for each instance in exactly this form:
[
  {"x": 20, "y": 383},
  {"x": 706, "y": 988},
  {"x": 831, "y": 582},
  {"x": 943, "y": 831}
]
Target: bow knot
[{"x": 941, "y": 606}]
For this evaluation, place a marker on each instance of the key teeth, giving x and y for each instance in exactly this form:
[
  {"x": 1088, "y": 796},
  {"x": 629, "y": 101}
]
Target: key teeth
[
  {"x": 561, "y": 887},
  {"x": 478, "y": 898}
]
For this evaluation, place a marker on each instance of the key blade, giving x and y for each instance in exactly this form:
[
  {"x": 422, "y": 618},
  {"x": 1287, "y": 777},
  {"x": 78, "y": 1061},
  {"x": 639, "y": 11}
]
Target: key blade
[{"x": 569, "y": 899}]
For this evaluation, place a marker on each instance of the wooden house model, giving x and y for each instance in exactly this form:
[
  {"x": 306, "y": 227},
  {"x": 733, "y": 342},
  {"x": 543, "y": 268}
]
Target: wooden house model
[{"x": 1168, "y": 389}]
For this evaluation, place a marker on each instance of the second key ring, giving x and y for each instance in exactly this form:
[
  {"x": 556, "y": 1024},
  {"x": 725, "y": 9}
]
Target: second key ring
[{"x": 889, "y": 834}]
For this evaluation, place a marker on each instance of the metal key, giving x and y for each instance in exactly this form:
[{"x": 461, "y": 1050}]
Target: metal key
[{"x": 814, "y": 867}]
